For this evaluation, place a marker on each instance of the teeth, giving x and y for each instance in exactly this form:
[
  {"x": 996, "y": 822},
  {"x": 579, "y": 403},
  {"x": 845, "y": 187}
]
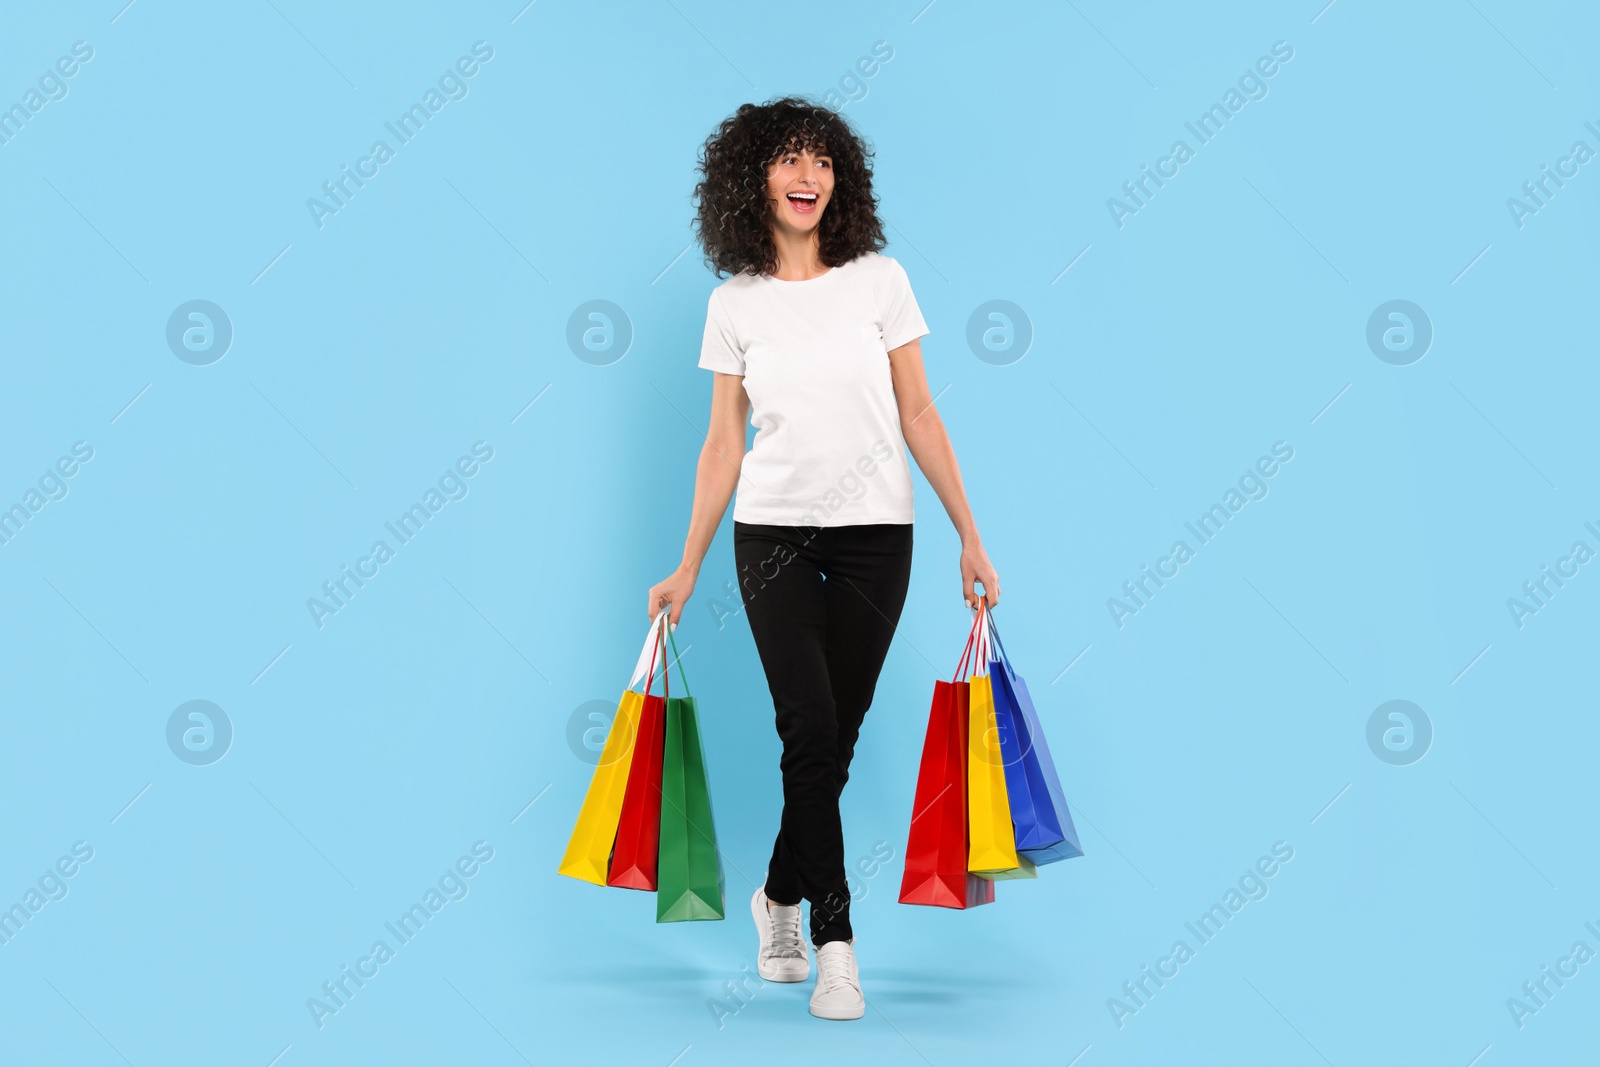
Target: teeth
[{"x": 803, "y": 196}]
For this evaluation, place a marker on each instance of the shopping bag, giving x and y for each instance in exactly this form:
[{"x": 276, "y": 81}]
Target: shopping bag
[
  {"x": 935, "y": 871},
  {"x": 1013, "y": 741},
  {"x": 936, "y": 844},
  {"x": 1004, "y": 733},
  {"x": 634, "y": 856},
  {"x": 992, "y": 848},
  {"x": 588, "y": 853},
  {"x": 690, "y": 881},
  {"x": 936, "y": 849},
  {"x": 1039, "y": 814}
]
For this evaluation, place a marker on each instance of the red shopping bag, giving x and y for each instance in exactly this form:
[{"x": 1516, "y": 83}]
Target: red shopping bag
[
  {"x": 637, "y": 847},
  {"x": 936, "y": 849}
]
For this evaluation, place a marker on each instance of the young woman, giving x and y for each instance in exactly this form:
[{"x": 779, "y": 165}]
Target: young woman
[{"x": 814, "y": 339}]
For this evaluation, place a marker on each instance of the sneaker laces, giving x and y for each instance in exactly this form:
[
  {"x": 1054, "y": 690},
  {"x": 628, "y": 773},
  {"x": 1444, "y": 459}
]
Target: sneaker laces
[
  {"x": 834, "y": 970},
  {"x": 786, "y": 943}
]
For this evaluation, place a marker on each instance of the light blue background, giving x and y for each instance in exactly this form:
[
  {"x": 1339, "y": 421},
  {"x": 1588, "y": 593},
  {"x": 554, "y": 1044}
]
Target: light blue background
[{"x": 1230, "y": 713}]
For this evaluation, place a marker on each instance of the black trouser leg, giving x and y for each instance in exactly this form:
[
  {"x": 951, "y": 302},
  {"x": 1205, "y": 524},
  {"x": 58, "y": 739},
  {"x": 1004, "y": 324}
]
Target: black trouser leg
[{"x": 823, "y": 604}]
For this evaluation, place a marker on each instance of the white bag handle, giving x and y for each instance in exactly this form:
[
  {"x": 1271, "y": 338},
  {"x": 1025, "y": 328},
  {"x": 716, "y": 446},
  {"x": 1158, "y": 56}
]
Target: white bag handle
[
  {"x": 650, "y": 640},
  {"x": 981, "y": 653}
]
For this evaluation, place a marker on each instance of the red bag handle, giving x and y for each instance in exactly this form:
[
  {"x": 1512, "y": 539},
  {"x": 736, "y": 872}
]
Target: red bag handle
[{"x": 977, "y": 618}]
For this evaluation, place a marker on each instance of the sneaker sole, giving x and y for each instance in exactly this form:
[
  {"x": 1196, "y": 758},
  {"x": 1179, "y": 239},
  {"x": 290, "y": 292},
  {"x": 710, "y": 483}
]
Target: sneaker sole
[
  {"x": 839, "y": 1013},
  {"x": 784, "y": 976},
  {"x": 776, "y": 972}
]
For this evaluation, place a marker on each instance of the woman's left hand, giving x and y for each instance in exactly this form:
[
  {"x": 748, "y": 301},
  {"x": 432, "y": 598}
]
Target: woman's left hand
[{"x": 975, "y": 566}]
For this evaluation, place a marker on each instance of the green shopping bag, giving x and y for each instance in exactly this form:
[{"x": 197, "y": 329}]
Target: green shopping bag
[{"x": 689, "y": 882}]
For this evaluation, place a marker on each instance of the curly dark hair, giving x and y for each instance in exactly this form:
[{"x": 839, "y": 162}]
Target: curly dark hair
[{"x": 734, "y": 218}]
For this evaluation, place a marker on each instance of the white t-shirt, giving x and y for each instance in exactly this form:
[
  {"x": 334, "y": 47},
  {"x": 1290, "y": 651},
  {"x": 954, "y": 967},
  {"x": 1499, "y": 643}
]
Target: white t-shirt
[{"x": 814, "y": 355}]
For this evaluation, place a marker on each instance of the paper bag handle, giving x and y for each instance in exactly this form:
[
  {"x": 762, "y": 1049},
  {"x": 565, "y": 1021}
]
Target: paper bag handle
[{"x": 644, "y": 670}]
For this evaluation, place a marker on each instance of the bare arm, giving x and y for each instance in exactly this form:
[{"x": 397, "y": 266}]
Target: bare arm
[
  {"x": 929, "y": 443},
  {"x": 716, "y": 476}
]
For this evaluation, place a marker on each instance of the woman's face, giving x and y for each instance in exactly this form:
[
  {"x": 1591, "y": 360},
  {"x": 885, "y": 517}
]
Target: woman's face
[{"x": 799, "y": 185}]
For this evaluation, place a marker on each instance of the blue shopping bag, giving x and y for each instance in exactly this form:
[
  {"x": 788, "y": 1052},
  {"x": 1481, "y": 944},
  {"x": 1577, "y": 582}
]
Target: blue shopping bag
[{"x": 1043, "y": 825}]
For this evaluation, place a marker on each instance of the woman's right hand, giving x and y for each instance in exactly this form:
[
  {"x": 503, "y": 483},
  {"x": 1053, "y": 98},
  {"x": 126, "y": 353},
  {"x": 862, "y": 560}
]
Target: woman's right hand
[{"x": 675, "y": 590}]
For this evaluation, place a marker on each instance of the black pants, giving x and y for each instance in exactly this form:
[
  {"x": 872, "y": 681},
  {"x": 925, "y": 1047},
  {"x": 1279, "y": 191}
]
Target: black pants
[{"x": 823, "y": 604}]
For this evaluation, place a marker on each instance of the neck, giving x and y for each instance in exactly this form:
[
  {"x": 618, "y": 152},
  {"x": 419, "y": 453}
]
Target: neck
[{"x": 797, "y": 255}]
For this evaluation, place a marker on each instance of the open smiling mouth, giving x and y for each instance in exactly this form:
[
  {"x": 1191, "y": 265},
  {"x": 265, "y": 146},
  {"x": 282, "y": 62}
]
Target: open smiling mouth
[{"x": 803, "y": 203}]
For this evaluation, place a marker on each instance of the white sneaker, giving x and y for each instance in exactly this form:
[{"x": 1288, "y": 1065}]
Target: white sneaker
[
  {"x": 783, "y": 955},
  {"x": 838, "y": 992}
]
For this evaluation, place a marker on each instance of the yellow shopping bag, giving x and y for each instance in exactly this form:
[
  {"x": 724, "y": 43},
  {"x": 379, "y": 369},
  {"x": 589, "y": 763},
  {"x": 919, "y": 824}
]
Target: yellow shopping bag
[
  {"x": 991, "y": 839},
  {"x": 588, "y": 855}
]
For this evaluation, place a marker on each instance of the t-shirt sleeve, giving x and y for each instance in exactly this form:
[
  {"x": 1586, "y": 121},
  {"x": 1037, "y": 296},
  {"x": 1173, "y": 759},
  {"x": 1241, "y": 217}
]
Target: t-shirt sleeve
[
  {"x": 719, "y": 348},
  {"x": 902, "y": 318}
]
